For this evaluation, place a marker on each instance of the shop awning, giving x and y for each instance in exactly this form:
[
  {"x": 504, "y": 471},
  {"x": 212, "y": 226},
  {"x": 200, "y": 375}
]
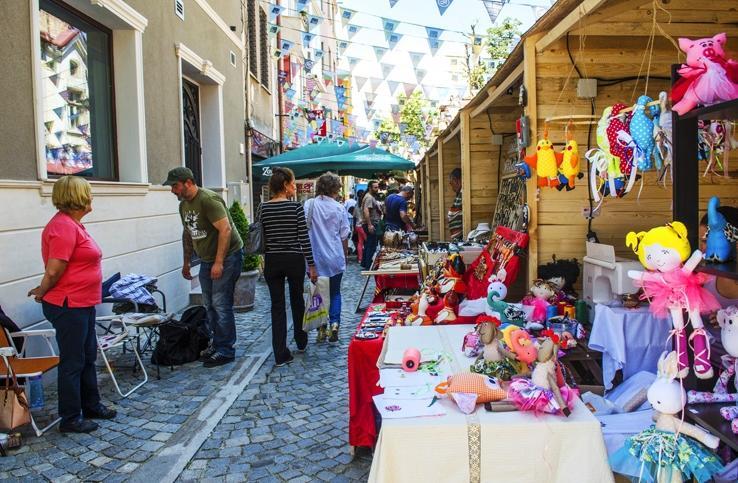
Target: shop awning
[{"x": 315, "y": 159}]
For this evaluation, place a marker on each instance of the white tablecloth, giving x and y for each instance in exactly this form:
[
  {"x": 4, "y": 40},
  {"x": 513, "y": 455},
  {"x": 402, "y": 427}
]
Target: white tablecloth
[{"x": 515, "y": 446}]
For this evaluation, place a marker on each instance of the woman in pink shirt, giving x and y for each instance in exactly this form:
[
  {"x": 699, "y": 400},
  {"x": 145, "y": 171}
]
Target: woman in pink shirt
[{"x": 70, "y": 289}]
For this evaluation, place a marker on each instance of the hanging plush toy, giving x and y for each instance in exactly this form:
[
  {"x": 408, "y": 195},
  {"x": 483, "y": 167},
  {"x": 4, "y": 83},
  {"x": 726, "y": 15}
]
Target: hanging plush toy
[
  {"x": 662, "y": 136},
  {"x": 618, "y": 149},
  {"x": 672, "y": 286},
  {"x": 605, "y": 177},
  {"x": 707, "y": 77},
  {"x": 642, "y": 129},
  {"x": 671, "y": 450},
  {"x": 719, "y": 248},
  {"x": 545, "y": 162},
  {"x": 569, "y": 168}
]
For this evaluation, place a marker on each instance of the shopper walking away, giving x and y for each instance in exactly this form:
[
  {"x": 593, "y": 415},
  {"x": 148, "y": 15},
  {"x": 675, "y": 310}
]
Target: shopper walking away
[
  {"x": 395, "y": 207},
  {"x": 370, "y": 217},
  {"x": 287, "y": 248},
  {"x": 69, "y": 291},
  {"x": 329, "y": 231},
  {"x": 209, "y": 232},
  {"x": 360, "y": 234}
]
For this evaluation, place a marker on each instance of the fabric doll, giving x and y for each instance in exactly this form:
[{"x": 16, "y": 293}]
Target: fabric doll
[
  {"x": 670, "y": 450},
  {"x": 545, "y": 161},
  {"x": 570, "y": 167},
  {"x": 447, "y": 314},
  {"x": 641, "y": 129},
  {"x": 662, "y": 135},
  {"x": 718, "y": 247},
  {"x": 671, "y": 286},
  {"x": 707, "y": 77},
  {"x": 563, "y": 274},
  {"x": 540, "y": 293},
  {"x": 615, "y": 126},
  {"x": 495, "y": 360}
]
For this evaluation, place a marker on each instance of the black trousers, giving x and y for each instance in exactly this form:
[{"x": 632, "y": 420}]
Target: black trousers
[
  {"x": 77, "y": 379},
  {"x": 277, "y": 268}
]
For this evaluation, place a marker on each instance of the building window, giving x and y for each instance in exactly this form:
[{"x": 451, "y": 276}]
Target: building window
[
  {"x": 77, "y": 93},
  {"x": 264, "y": 48},
  {"x": 253, "y": 47}
]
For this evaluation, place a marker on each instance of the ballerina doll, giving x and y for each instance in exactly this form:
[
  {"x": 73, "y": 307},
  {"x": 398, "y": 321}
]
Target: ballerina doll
[{"x": 671, "y": 286}]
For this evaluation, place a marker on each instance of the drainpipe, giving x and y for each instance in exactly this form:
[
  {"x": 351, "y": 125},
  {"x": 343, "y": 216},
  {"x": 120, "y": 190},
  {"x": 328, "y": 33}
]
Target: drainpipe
[{"x": 280, "y": 107}]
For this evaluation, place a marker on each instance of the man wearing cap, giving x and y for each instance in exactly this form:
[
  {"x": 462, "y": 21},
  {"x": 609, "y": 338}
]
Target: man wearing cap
[
  {"x": 395, "y": 207},
  {"x": 209, "y": 230}
]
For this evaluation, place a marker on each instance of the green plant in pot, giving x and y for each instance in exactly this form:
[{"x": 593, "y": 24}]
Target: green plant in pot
[{"x": 243, "y": 297}]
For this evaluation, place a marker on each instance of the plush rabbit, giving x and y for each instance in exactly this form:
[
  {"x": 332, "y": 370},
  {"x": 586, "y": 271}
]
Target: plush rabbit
[
  {"x": 671, "y": 450},
  {"x": 728, "y": 320}
]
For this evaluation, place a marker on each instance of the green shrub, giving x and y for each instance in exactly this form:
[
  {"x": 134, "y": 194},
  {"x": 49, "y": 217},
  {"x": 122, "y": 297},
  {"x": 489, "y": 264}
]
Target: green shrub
[{"x": 250, "y": 262}]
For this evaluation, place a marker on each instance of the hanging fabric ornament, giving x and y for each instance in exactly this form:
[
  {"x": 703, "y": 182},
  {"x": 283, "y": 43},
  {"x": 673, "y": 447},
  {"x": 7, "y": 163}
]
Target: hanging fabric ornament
[
  {"x": 618, "y": 124},
  {"x": 642, "y": 129},
  {"x": 662, "y": 135},
  {"x": 569, "y": 168}
]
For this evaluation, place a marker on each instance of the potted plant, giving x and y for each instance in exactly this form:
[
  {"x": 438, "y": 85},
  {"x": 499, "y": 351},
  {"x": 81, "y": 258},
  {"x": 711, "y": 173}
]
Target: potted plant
[{"x": 243, "y": 297}]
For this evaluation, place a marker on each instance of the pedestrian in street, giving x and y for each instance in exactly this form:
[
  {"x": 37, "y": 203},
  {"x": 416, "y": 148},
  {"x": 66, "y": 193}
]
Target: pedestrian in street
[
  {"x": 209, "y": 231},
  {"x": 395, "y": 207},
  {"x": 371, "y": 216},
  {"x": 329, "y": 231},
  {"x": 350, "y": 205},
  {"x": 68, "y": 293},
  {"x": 358, "y": 227},
  {"x": 454, "y": 215},
  {"x": 286, "y": 251}
]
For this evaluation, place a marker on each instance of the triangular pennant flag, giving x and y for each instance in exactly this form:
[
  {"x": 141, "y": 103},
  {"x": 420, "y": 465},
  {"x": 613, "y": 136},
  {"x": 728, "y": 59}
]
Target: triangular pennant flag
[
  {"x": 301, "y": 5},
  {"x": 420, "y": 74},
  {"x": 379, "y": 53},
  {"x": 433, "y": 33},
  {"x": 393, "y": 39},
  {"x": 352, "y": 30},
  {"x": 434, "y": 45},
  {"x": 476, "y": 44},
  {"x": 273, "y": 29},
  {"x": 307, "y": 38},
  {"x": 416, "y": 58},
  {"x": 274, "y": 12},
  {"x": 386, "y": 70},
  {"x": 353, "y": 61},
  {"x": 395, "y": 108},
  {"x": 393, "y": 85},
  {"x": 443, "y": 5},
  {"x": 286, "y": 45},
  {"x": 360, "y": 81},
  {"x": 318, "y": 54},
  {"x": 375, "y": 83},
  {"x": 389, "y": 25},
  {"x": 493, "y": 8},
  {"x": 370, "y": 96},
  {"x": 342, "y": 46},
  {"x": 403, "y": 127},
  {"x": 313, "y": 21},
  {"x": 347, "y": 15},
  {"x": 309, "y": 64},
  {"x": 393, "y": 3},
  {"x": 277, "y": 53},
  {"x": 408, "y": 88}
]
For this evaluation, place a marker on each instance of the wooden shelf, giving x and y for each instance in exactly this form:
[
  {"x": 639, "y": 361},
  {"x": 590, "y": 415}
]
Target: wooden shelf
[
  {"x": 726, "y": 270},
  {"x": 708, "y": 416},
  {"x": 724, "y": 110}
]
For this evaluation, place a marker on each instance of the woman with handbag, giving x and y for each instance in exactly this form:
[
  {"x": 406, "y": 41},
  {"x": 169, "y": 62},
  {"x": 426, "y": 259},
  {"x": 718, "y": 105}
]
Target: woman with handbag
[
  {"x": 69, "y": 291},
  {"x": 286, "y": 250},
  {"x": 329, "y": 231}
]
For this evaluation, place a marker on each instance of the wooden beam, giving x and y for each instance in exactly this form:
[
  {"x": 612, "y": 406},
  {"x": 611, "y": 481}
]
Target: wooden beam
[
  {"x": 567, "y": 23},
  {"x": 441, "y": 212},
  {"x": 466, "y": 192},
  {"x": 636, "y": 29},
  {"x": 427, "y": 193},
  {"x": 529, "y": 79},
  {"x": 496, "y": 91},
  {"x": 452, "y": 134}
]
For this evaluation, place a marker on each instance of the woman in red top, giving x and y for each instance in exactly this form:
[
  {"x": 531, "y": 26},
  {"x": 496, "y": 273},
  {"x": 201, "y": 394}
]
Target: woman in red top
[{"x": 70, "y": 289}]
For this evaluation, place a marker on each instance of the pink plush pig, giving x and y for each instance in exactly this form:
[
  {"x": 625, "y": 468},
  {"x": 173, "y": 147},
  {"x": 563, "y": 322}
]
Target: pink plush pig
[{"x": 707, "y": 77}]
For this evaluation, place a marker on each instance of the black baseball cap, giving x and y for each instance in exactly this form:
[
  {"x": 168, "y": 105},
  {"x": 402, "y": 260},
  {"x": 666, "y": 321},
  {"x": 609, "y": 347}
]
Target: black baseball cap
[{"x": 179, "y": 174}]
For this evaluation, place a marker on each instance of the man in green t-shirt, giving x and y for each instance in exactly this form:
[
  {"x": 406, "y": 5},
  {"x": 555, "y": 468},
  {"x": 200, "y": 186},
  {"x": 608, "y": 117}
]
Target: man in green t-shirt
[{"x": 209, "y": 230}]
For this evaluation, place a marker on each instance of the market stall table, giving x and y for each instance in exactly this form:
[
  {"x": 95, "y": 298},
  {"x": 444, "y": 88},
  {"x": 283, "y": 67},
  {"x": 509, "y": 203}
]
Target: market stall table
[
  {"x": 630, "y": 340},
  {"x": 485, "y": 446}
]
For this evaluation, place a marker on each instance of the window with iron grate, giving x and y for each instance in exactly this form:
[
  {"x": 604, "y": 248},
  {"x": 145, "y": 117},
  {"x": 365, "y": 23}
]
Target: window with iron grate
[
  {"x": 264, "y": 48},
  {"x": 253, "y": 47}
]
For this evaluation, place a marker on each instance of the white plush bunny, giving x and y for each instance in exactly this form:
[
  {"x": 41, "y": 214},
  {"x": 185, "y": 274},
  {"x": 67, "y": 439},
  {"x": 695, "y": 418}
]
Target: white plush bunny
[
  {"x": 728, "y": 320},
  {"x": 667, "y": 397}
]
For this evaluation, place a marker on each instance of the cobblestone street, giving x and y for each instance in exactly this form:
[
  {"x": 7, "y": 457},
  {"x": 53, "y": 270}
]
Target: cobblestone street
[{"x": 247, "y": 421}]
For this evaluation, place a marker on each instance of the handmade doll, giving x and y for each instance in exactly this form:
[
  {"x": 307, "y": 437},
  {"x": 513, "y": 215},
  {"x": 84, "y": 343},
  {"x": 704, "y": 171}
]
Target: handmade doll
[
  {"x": 671, "y": 450},
  {"x": 642, "y": 129},
  {"x": 671, "y": 286},
  {"x": 545, "y": 161},
  {"x": 662, "y": 136},
  {"x": 570, "y": 168},
  {"x": 526, "y": 352},
  {"x": 605, "y": 176},
  {"x": 447, "y": 314},
  {"x": 707, "y": 77},
  {"x": 495, "y": 360},
  {"x": 563, "y": 274},
  {"x": 718, "y": 247},
  {"x": 620, "y": 123},
  {"x": 540, "y": 293},
  {"x": 541, "y": 393}
]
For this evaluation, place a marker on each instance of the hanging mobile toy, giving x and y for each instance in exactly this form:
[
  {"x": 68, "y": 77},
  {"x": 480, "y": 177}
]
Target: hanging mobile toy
[
  {"x": 605, "y": 176},
  {"x": 642, "y": 131},
  {"x": 545, "y": 161},
  {"x": 569, "y": 168}
]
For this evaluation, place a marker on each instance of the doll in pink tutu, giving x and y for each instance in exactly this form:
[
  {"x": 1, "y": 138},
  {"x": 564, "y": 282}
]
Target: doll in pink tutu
[{"x": 672, "y": 288}]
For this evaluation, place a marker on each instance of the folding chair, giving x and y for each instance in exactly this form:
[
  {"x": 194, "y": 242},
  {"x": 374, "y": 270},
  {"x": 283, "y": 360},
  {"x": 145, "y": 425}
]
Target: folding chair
[
  {"x": 118, "y": 335},
  {"x": 27, "y": 367}
]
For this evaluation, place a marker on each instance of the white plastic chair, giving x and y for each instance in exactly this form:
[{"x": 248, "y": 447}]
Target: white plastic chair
[{"x": 117, "y": 335}]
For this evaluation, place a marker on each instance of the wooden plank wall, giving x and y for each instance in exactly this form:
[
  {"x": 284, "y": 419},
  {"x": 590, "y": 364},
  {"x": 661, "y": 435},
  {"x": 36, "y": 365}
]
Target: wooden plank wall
[
  {"x": 451, "y": 160},
  {"x": 432, "y": 193},
  {"x": 484, "y": 171}
]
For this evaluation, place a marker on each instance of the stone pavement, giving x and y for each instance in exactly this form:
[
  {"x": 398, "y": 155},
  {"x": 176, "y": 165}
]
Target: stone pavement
[{"x": 247, "y": 421}]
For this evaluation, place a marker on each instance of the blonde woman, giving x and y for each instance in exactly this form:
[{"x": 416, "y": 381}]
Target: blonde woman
[{"x": 70, "y": 289}]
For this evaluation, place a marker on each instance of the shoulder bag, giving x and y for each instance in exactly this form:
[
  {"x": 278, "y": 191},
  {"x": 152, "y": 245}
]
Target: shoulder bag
[
  {"x": 14, "y": 411},
  {"x": 255, "y": 242}
]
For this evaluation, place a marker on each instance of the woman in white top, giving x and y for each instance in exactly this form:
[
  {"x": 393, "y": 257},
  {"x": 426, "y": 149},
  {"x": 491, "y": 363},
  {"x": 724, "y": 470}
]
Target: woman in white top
[{"x": 329, "y": 231}]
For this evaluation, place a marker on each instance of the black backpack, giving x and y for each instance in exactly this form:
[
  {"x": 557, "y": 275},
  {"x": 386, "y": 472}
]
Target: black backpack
[{"x": 181, "y": 341}]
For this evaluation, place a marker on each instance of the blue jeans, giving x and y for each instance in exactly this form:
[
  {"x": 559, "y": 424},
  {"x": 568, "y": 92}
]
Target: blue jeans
[
  {"x": 334, "y": 314},
  {"x": 370, "y": 246},
  {"x": 217, "y": 296}
]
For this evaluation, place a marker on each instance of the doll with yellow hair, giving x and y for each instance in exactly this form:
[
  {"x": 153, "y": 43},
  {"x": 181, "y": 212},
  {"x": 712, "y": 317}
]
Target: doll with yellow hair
[{"x": 671, "y": 286}]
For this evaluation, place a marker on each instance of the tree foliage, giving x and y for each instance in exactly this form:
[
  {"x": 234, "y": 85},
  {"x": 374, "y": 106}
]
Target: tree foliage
[
  {"x": 250, "y": 262},
  {"x": 502, "y": 38},
  {"x": 415, "y": 113}
]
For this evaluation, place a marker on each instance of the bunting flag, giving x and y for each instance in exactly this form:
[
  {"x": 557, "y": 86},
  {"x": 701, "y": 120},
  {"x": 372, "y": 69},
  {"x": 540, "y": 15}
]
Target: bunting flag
[
  {"x": 286, "y": 45},
  {"x": 274, "y": 12},
  {"x": 443, "y": 5},
  {"x": 370, "y": 114},
  {"x": 379, "y": 53},
  {"x": 352, "y": 30},
  {"x": 393, "y": 85},
  {"x": 386, "y": 70},
  {"x": 395, "y": 108},
  {"x": 420, "y": 75},
  {"x": 416, "y": 58},
  {"x": 342, "y": 46},
  {"x": 393, "y": 3},
  {"x": 396, "y": 117},
  {"x": 353, "y": 61},
  {"x": 277, "y": 53},
  {"x": 290, "y": 93},
  {"x": 376, "y": 123},
  {"x": 282, "y": 76},
  {"x": 370, "y": 96},
  {"x": 307, "y": 38},
  {"x": 309, "y": 64},
  {"x": 408, "y": 88},
  {"x": 273, "y": 29},
  {"x": 313, "y": 21},
  {"x": 392, "y": 39},
  {"x": 476, "y": 44},
  {"x": 375, "y": 83},
  {"x": 346, "y": 15},
  {"x": 318, "y": 54},
  {"x": 538, "y": 10},
  {"x": 301, "y": 5},
  {"x": 493, "y": 8},
  {"x": 360, "y": 81},
  {"x": 403, "y": 127},
  {"x": 388, "y": 25},
  {"x": 327, "y": 76},
  {"x": 434, "y": 45}
]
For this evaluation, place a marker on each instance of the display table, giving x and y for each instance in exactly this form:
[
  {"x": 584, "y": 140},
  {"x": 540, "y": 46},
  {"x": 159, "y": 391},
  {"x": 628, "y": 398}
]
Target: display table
[
  {"x": 485, "y": 446},
  {"x": 630, "y": 340}
]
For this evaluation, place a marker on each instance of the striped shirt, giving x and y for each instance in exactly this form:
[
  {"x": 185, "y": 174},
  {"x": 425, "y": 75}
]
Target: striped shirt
[
  {"x": 285, "y": 230},
  {"x": 455, "y": 220}
]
